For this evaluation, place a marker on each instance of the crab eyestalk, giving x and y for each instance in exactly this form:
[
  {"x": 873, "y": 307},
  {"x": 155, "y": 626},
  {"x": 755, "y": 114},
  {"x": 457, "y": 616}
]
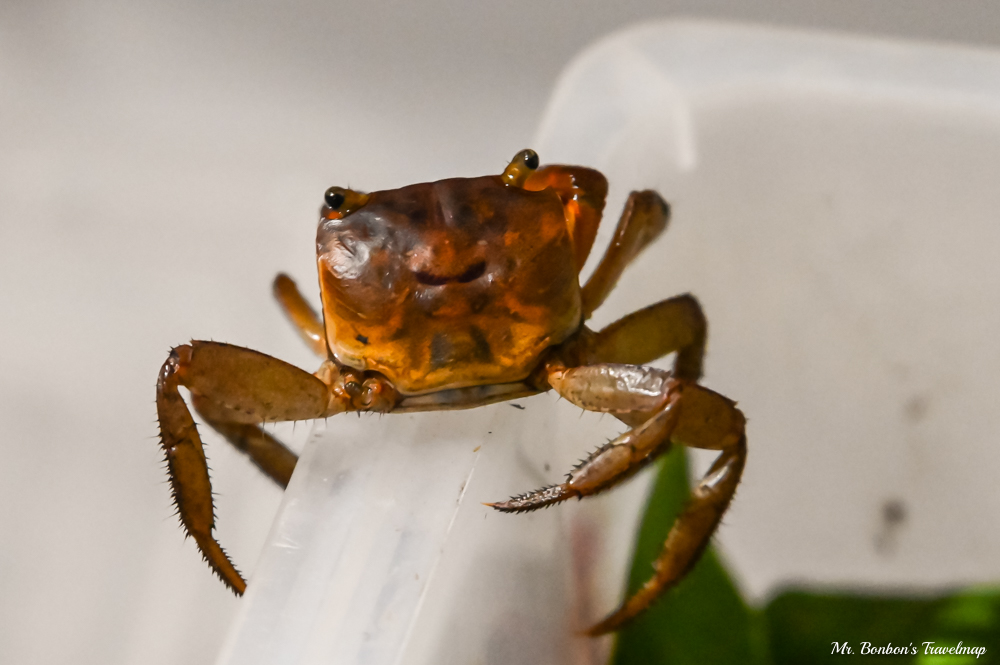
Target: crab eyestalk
[
  {"x": 522, "y": 166},
  {"x": 340, "y": 202}
]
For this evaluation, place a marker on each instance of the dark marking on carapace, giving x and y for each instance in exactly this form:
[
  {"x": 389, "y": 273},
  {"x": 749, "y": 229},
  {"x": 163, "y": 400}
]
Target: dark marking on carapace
[
  {"x": 473, "y": 272},
  {"x": 480, "y": 301},
  {"x": 440, "y": 351},
  {"x": 482, "y": 345},
  {"x": 416, "y": 215}
]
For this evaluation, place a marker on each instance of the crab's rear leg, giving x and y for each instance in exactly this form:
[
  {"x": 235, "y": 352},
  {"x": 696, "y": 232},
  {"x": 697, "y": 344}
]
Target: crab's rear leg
[
  {"x": 300, "y": 313},
  {"x": 243, "y": 387},
  {"x": 672, "y": 411},
  {"x": 644, "y": 218},
  {"x": 688, "y": 537},
  {"x": 674, "y": 325}
]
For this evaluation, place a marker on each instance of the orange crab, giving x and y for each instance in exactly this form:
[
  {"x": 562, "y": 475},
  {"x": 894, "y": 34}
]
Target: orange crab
[{"x": 456, "y": 294}]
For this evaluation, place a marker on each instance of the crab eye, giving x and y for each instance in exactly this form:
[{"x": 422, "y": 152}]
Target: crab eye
[
  {"x": 520, "y": 168},
  {"x": 341, "y": 202},
  {"x": 334, "y": 198}
]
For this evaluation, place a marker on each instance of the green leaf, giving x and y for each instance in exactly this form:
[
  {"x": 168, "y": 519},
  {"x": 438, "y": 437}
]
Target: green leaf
[
  {"x": 701, "y": 621},
  {"x": 802, "y": 627}
]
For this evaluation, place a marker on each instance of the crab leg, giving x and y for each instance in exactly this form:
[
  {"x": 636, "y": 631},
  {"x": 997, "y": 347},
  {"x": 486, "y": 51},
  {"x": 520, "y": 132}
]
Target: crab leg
[
  {"x": 242, "y": 387},
  {"x": 688, "y": 538},
  {"x": 672, "y": 411},
  {"x": 299, "y": 312},
  {"x": 677, "y": 324},
  {"x": 644, "y": 218},
  {"x": 271, "y": 456},
  {"x": 607, "y": 466}
]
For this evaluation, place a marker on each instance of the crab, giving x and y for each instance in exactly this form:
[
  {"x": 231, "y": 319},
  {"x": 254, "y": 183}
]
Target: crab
[{"x": 460, "y": 293}]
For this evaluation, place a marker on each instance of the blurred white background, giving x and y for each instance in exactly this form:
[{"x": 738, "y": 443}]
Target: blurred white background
[{"x": 159, "y": 163}]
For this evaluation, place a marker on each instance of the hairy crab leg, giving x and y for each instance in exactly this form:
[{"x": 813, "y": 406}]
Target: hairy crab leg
[
  {"x": 271, "y": 456},
  {"x": 300, "y": 313},
  {"x": 606, "y": 467},
  {"x": 688, "y": 538},
  {"x": 245, "y": 387},
  {"x": 672, "y": 411},
  {"x": 677, "y": 324},
  {"x": 644, "y": 218}
]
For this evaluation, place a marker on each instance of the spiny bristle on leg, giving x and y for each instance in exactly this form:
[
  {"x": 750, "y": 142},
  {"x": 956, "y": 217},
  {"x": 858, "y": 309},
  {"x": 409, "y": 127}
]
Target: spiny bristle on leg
[
  {"x": 540, "y": 498},
  {"x": 589, "y": 458},
  {"x": 220, "y": 563}
]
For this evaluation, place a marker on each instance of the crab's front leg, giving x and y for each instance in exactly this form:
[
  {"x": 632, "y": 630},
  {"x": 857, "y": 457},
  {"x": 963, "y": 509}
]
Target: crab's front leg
[
  {"x": 235, "y": 389},
  {"x": 671, "y": 411}
]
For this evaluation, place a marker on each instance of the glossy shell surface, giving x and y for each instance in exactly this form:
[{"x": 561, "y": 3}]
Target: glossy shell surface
[{"x": 440, "y": 285}]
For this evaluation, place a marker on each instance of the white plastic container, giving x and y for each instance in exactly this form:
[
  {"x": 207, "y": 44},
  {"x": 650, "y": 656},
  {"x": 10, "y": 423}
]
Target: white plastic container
[{"x": 835, "y": 208}]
